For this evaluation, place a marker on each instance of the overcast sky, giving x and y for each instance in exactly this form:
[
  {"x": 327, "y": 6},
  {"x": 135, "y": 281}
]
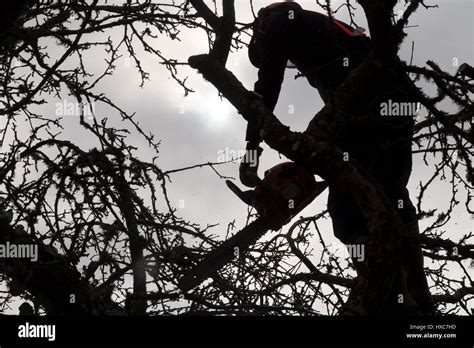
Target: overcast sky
[{"x": 194, "y": 129}]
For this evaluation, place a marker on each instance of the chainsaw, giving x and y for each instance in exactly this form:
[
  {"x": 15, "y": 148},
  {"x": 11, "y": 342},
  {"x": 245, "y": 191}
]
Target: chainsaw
[{"x": 285, "y": 190}]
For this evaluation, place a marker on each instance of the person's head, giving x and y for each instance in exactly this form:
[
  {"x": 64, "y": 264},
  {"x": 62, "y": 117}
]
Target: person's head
[{"x": 260, "y": 27}]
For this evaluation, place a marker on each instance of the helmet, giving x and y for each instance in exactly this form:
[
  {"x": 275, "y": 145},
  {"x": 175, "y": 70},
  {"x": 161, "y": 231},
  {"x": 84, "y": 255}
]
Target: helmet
[{"x": 260, "y": 26}]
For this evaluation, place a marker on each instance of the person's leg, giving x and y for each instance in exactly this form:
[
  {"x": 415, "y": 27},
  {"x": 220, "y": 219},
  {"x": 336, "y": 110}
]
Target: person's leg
[
  {"x": 413, "y": 258},
  {"x": 393, "y": 171},
  {"x": 350, "y": 228}
]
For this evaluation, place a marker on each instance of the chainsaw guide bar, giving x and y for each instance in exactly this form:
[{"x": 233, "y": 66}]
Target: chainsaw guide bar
[
  {"x": 285, "y": 190},
  {"x": 223, "y": 254}
]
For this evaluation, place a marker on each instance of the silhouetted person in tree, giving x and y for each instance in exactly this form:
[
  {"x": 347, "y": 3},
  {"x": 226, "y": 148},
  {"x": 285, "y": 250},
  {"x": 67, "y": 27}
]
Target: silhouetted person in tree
[{"x": 325, "y": 51}]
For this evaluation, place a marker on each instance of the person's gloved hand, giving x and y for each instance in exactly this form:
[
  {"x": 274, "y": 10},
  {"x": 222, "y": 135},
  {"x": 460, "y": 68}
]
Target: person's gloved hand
[{"x": 249, "y": 165}]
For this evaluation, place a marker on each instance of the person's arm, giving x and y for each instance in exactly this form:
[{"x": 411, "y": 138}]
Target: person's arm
[
  {"x": 272, "y": 69},
  {"x": 270, "y": 78}
]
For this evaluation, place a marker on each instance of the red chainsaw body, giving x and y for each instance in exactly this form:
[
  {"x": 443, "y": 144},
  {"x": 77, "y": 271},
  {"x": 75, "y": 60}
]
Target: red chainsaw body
[{"x": 285, "y": 190}]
